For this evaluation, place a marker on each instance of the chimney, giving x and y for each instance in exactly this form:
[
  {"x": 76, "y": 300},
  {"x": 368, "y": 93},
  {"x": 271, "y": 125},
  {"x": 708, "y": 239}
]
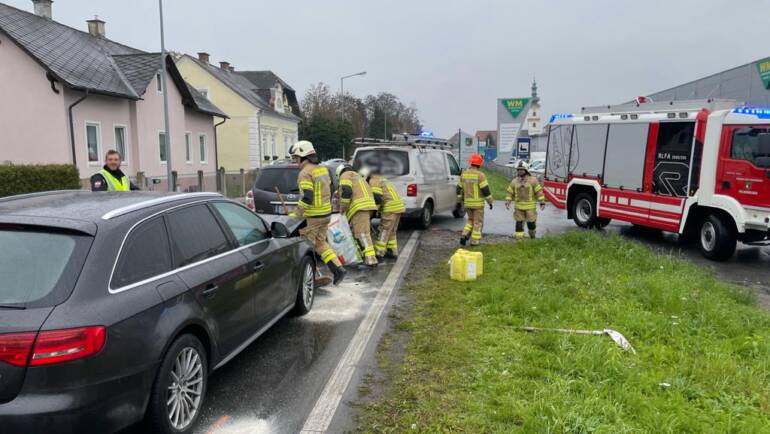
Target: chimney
[
  {"x": 224, "y": 65},
  {"x": 96, "y": 27},
  {"x": 43, "y": 8},
  {"x": 204, "y": 57}
]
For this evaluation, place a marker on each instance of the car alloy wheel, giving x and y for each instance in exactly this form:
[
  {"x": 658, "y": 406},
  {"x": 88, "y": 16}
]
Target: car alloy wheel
[
  {"x": 308, "y": 285},
  {"x": 183, "y": 397}
]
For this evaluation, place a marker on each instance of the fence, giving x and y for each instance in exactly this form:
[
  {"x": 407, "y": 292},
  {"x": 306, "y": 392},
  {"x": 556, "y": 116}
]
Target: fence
[
  {"x": 508, "y": 172},
  {"x": 235, "y": 184}
]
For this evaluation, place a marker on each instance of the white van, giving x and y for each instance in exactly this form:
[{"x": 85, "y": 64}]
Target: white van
[{"x": 423, "y": 170}]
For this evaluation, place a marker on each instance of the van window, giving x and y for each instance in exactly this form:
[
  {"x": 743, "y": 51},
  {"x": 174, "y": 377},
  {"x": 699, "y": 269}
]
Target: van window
[
  {"x": 195, "y": 235},
  {"x": 145, "y": 254},
  {"x": 386, "y": 162},
  {"x": 432, "y": 163},
  {"x": 454, "y": 168}
]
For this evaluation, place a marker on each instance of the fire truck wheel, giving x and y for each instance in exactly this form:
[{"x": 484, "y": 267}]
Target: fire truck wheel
[
  {"x": 584, "y": 210},
  {"x": 717, "y": 239}
]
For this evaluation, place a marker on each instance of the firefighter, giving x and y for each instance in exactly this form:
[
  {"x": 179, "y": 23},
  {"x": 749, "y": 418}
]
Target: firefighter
[
  {"x": 315, "y": 206},
  {"x": 525, "y": 191},
  {"x": 391, "y": 208},
  {"x": 473, "y": 190},
  {"x": 357, "y": 203}
]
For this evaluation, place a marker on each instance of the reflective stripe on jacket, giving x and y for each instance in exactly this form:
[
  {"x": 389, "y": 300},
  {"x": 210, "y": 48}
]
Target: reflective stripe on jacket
[
  {"x": 355, "y": 194},
  {"x": 390, "y": 202},
  {"x": 525, "y": 192},
  {"x": 115, "y": 184},
  {"x": 314, "y": 185},
  {"x": 474, "y": 189}
]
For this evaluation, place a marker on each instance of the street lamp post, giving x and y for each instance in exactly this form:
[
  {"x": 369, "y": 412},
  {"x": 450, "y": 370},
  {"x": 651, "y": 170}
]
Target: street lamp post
[
  {"x": 342, "y": 99},
  {"x": 169, "y": 168}
]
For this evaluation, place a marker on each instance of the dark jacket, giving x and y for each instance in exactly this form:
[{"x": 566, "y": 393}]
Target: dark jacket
[{"x": 98, "y": 183}]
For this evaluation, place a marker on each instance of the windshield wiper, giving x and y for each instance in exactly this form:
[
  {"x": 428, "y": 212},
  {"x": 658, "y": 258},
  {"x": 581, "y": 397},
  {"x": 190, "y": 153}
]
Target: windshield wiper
[{"x": 12, "y": 306}]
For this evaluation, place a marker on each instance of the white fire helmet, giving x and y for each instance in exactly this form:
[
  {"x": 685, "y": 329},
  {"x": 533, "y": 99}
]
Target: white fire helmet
[{"x": 303, "y": 148}]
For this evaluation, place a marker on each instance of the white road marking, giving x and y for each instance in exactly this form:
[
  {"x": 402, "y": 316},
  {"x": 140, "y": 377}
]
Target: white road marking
[{"x": 326, "y": 406}]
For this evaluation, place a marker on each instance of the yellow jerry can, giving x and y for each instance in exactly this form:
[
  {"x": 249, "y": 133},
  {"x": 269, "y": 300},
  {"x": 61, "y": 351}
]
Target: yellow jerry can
[{"x": 466, "y": 266}]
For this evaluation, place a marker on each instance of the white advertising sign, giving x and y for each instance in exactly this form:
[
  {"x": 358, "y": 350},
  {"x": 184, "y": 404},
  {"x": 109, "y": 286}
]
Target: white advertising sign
[{"x": 507, "y": 139}]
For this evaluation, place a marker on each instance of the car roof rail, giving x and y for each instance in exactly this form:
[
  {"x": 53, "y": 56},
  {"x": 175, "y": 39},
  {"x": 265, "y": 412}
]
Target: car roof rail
[
  {"x": 152, "y": 202},
  {"x": 33, "y": 195}
]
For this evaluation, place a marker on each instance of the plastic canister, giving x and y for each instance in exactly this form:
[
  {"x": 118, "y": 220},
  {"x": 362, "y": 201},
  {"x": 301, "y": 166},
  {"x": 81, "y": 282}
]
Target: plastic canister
[
  {"x": 478, "y": 257},
  {"x": 462, "y": 266}
]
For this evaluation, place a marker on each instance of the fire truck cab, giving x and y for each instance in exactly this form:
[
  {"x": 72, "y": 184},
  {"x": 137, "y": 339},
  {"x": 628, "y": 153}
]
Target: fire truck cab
[{"x": 697, "y": 168}]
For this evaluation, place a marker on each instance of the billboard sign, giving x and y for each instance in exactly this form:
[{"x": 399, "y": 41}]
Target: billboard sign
[
  {"x": 763, "y": 67},
  {"x": 514, "y": 105}
]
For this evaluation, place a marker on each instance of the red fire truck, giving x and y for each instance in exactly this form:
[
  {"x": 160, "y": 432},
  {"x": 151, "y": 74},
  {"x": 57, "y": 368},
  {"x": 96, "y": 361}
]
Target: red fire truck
[{"x": 697, "y": 168}]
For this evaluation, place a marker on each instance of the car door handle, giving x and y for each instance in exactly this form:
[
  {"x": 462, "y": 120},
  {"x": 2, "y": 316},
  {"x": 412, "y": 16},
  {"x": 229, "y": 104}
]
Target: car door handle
[
  {"x": 258, "y": 266},
  {"x": 210, "y": 291}
]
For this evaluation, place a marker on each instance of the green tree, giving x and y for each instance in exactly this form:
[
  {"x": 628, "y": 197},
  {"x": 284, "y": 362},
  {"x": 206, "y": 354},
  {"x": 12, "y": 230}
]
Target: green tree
[{"x": 328, "y": 135}]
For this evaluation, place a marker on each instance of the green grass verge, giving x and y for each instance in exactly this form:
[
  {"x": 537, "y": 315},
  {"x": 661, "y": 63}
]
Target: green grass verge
[
  {"x": 497, "y": 183},
  {"x": 703, "y": 347}
]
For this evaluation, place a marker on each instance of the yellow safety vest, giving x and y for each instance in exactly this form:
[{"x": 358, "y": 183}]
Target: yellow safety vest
[{"x": 115, "y": 184}]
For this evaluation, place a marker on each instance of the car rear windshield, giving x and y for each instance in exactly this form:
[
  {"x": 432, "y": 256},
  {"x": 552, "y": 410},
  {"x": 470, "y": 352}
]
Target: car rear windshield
[
  {"x": 383, "y": 161},
  {"x": 284, "y": 178},
  {"x": 38, "y": 267}
]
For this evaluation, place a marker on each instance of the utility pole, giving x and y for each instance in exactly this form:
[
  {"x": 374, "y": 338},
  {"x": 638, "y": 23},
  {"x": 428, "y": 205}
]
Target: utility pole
[
  {"x": 167, "y": 133},
  {"x": 342, "y": 100},
  {"x": 460, "y": 145}
]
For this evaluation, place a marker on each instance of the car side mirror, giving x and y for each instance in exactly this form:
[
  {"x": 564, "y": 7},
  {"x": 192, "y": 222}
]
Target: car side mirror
[{"x": 279, "y": 230}]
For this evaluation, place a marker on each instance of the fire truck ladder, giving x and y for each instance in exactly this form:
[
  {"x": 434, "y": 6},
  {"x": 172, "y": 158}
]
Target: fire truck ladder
[{"x": 663, "y": 107}]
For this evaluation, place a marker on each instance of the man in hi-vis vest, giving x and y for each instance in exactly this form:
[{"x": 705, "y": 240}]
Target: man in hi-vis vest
[{"x": 111, "y": 178}]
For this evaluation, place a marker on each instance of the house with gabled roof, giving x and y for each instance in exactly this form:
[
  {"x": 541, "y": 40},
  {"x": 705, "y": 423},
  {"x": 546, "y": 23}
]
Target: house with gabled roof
[
  {"x": 263, "y": 110},
  {"x": 68, "y": 96}
]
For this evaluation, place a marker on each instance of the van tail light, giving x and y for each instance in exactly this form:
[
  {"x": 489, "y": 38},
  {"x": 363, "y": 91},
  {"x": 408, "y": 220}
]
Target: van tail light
[
  {"x": 411, "y": 190},
  {"x": 51, "y": 346}
]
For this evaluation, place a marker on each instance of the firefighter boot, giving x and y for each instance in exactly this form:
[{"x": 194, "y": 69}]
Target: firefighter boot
[
  {"x": 338, "y": 271},
  {"x": 463, "y": 239},
  {"x": 532, "y": 229},
  {"x": 532, "y": 234}
]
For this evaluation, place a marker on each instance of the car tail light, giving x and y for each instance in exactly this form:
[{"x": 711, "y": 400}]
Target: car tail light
[
  {"x": 411, "y": 190},
  {"x": 57, "y": 346},
  {"x": 15, "y": 348},
  {"x": 51, "y": 346},
  {"x": 250, "y": 199}
]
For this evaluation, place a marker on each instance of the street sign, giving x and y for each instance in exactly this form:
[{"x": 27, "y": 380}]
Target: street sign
[
  {"x": 522, "y": 148},
  {"x": 763, "y": 67}
]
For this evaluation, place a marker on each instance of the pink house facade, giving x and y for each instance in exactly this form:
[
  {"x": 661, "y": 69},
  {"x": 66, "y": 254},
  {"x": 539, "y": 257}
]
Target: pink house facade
[{"x": 70, "y": 96}]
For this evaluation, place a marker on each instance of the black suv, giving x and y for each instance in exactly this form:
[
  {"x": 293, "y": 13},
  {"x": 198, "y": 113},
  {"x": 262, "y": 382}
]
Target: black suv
[{"x": 115, "y": 307}]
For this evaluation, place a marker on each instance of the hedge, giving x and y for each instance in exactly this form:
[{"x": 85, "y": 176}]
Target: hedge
[{"x": 33, "y": 178}]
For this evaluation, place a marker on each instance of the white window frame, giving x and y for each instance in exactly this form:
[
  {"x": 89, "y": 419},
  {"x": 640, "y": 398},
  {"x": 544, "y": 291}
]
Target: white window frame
[
  {"x": 273, "y": 144},
  {"x": 203, "y": 147},
  {"x": 188, "y": 147},
  {"x": 124, "y": 154},
  {"x": 163, "y": 163},
  {"x": 98, "y": 126},
  {"x": 159, "y": 85}
]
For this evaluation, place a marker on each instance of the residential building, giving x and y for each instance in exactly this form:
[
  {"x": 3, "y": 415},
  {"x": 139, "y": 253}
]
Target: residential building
[
  {"x": 263, "y": 111},
  {"x": 70, "y": 95},
  {"x": 463, "y": 146}
]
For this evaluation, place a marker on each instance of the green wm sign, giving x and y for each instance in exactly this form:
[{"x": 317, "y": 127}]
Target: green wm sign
[
  {"x": 763, "y": 67},
  {"x": 515, "y": 105}
]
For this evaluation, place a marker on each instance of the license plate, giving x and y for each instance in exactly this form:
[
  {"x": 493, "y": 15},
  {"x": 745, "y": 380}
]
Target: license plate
[{"x": 280, "y": 209}]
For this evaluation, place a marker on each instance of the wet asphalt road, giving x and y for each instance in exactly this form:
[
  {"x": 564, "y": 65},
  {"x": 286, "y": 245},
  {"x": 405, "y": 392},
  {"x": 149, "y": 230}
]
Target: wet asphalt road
[
  {"x": 749, "y": 266},
  {"x": 272, "y": 386}
]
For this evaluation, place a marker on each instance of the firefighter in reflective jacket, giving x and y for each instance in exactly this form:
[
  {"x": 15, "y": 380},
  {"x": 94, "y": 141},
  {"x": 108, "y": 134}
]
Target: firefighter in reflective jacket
[
  {"x": 357, "y": 203},
  {"x": 314, "y": 184},
  {"x": 473, "y": 189},
  {"x": 525, "y": 191},
  {"x": 391, "y": 207}
]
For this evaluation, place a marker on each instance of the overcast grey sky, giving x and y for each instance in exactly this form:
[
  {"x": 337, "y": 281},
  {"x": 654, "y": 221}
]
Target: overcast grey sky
[{"x": 454, "y": 58}]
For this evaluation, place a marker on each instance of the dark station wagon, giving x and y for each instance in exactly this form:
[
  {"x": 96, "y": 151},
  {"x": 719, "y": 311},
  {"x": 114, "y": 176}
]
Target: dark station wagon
[{"x": 115, "y": 307}]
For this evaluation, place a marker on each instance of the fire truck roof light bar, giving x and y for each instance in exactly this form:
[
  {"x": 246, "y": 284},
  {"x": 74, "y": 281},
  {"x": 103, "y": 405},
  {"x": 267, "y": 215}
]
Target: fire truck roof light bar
[{"x": 760, "y": 112}]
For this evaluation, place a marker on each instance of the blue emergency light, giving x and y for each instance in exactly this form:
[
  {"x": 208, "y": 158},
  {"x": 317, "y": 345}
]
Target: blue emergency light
[
  {"x": 557, "y": 116},
  {"x": 760, "y": 112}
]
